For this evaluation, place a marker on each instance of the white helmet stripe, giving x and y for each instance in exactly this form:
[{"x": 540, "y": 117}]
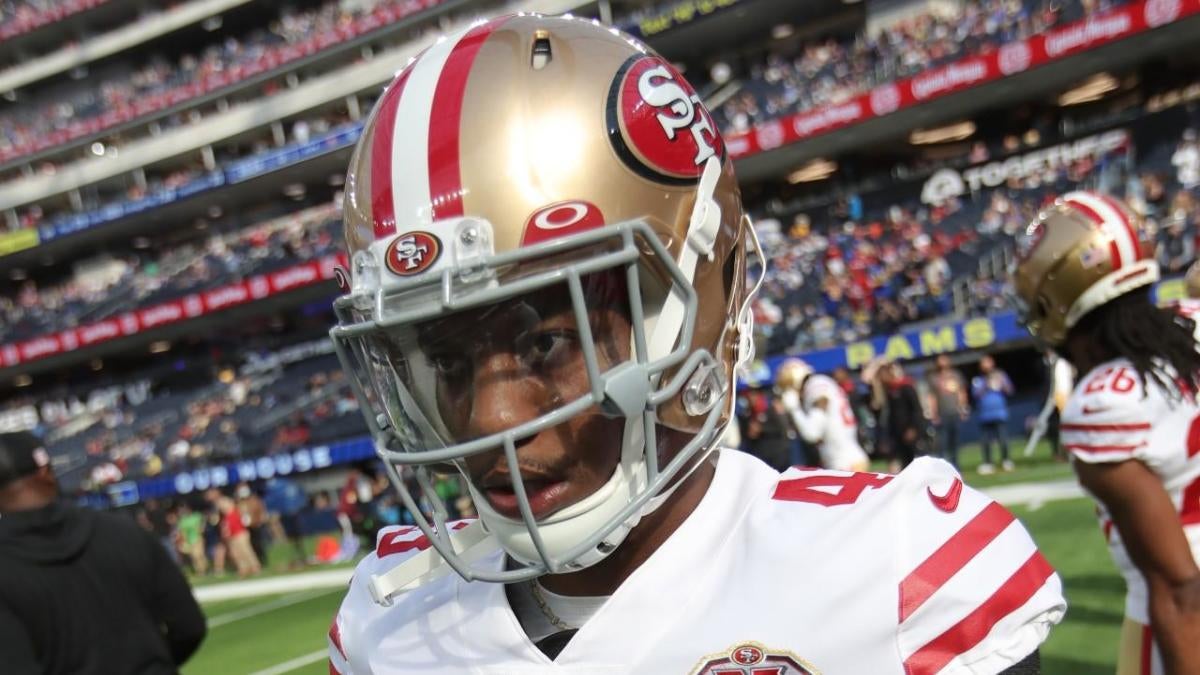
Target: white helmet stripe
[
  {"x": 410, "y": 187},
  {"x": 1112, "y": 222}
]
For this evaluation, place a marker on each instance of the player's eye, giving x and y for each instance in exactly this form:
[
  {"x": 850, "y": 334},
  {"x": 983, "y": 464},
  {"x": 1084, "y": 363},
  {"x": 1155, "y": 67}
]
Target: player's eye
[
  {"x": 451, "y": 366},
  {"x": 545, "y": 349}
]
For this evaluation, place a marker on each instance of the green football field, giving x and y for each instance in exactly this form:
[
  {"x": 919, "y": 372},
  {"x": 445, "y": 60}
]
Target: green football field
[{"x": 286, "y": 634}]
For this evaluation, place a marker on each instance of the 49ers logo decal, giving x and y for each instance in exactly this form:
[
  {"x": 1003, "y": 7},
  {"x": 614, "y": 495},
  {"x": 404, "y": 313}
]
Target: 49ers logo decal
[
  {"x": 657, "y": 123},
  {"x": 752, "y": 658},
  {"x": 412, "y": 253}
]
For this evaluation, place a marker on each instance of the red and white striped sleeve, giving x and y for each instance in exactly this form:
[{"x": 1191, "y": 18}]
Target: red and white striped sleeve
[
  {"x": 974, "y": 594},
  {"x": 1107, "y": 419},
  {"x": 339, "y": 663}
]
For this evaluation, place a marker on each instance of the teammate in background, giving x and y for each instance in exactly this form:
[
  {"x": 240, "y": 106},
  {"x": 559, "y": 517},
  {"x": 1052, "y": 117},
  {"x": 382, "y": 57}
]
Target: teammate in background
[
  {"x": 1048, "y": 422},
  {"x": 1082, "y": 278},
  {"x": 821, "y": 412},
  {"x": 548, "y": 295}
]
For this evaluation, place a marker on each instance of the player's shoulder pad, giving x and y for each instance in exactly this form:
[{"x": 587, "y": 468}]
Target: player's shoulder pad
[
  {"x": 348, "y": 637},
  {"x": 1109, "y": 415},
  {"x": 974, "y": 592}
]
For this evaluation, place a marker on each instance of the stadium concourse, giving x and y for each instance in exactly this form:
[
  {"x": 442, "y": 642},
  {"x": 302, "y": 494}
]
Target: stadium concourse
[{"x": 171, "y": 184}]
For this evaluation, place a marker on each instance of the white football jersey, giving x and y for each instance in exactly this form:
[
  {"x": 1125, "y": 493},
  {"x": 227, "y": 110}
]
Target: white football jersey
[
  {"x": 810, "y": 571},
  {"x": 839, "y": 448},
  {"x": 1112, "y": 417}
]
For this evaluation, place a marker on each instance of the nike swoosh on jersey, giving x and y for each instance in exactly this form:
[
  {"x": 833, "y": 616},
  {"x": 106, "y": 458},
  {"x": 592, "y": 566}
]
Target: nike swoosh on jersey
[{"x": 949, "y": 501}]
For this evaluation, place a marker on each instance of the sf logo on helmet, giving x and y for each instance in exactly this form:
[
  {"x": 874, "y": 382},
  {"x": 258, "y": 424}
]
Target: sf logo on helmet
[
  {"x": 658, "y": 125},
  {"x": 412, "y": 253},
  {"x": 659, "y": 88}
]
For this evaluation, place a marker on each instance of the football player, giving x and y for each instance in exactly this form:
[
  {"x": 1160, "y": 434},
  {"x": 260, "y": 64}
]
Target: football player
[
  {"x": 1132, "y": 425},
  {"x": 822, "y": 414},
  {"x": 547, "y": 295}
]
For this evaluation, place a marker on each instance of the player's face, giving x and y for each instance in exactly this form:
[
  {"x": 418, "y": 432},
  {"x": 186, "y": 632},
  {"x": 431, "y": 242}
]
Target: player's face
[{"x": 504, "y": 365}]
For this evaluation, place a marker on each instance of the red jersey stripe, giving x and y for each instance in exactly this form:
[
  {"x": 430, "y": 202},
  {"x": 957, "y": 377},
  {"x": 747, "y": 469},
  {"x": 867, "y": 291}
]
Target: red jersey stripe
[
  {"x": 951, "y": 557},
  {"x": 1147, "y": 665},
  {"x": 445, "y": 177},
  {"x": 335, "y": 636},
  {"x": 1130, "y": 426},
  {"x": 1079, "y": 447},
  {"x": 332, "y": 669},
  {"x": 1096, "y": 218},
  {"x": 962, "y": 636},
  {"x": 383, "y": 206}
]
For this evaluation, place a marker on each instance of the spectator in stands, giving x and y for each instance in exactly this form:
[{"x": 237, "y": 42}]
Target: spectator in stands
[
  {"x": 107, "y": 600},
  {"x": 1186, "y": 160},
  {"x": 948, "y": 406},
  {"x": 991, "y": 389},
  {"x": 770, "y": 433},
  {"x": 1176, "y": 248}
]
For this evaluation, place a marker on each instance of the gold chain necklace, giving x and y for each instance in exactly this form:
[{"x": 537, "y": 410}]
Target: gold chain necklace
[{"x": 535, "y": 589}]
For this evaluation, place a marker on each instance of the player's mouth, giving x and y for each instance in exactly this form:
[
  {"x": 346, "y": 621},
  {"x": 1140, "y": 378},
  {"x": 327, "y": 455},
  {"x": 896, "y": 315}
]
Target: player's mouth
[{"x": 546, "y": 495}]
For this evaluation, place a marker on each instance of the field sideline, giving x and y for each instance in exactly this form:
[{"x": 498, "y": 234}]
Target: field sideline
[{"x": 285, "y": 633}]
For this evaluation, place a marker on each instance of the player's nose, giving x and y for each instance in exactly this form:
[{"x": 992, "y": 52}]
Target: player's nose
[{"x": 505, "y": 395}]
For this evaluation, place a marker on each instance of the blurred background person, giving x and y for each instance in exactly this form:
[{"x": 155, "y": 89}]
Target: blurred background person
[
  {"x": 905, "y": 418},
  {"x": 948, "y": 407},
  {"x": 820, "y": 411},
  {"x": 83, "y": 592},
  {"x": 991, "y": 389},
  {"x": 237, "y": 538}
]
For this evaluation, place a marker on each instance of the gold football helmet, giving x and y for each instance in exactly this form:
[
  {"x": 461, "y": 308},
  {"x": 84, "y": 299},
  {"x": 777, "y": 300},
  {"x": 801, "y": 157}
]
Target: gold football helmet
[
  {"x": 1078, "y": 254},
  {"x": 515, "y": 161},
  {"x": 792, "y": 373}
]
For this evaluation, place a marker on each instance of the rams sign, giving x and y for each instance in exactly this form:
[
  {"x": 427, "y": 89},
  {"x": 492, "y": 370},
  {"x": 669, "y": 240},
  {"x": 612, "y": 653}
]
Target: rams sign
[{"x": 979, "y": 333}]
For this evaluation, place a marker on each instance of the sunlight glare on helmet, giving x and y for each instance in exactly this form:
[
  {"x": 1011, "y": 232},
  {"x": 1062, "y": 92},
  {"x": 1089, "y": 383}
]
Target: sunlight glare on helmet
[{"x": 538, "y": 161}]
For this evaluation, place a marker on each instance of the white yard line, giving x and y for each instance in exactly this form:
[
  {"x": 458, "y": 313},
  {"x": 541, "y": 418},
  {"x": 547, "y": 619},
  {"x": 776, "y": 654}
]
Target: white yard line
[
  {"x": 291, "y": 583},
  {"x": 298, "y": 662},
  {"x": 279, "y": 603},
  {"x": 1034, "y": 495}
]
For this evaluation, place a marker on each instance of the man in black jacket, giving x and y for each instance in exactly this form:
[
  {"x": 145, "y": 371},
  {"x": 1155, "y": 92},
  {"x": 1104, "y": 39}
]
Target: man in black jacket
[
  {"x": 83, "y": 592},
  {"x": 905, "y": 418}
]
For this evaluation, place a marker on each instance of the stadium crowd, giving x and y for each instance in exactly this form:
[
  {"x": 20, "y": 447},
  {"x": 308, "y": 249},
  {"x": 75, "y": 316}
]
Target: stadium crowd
[
  {"x": 21, "y": 16},
  {"x": 798, "y": 77},
  {"x": 170, "y": 79},
  {"x": 830, "y": 69},
  {"x": 143, "y": 278}
]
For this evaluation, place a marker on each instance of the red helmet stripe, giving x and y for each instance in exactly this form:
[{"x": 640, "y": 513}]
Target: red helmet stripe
[
  {"x": 383, "y": 205},
  {"x": 1126, "y": 226},
  {"x": 1113, "y": 249},
  {"x": 445, "y": 177}
]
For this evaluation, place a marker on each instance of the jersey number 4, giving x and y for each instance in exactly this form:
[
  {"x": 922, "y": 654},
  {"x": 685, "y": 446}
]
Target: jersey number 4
[{"x": 840, "y": 489}]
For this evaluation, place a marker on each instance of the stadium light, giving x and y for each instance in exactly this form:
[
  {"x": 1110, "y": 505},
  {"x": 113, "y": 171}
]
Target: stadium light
[
  {"x": 160, "y": 346},
  {"x": 956, "y": 131},
  {"x": 782, "y": 31},
  {"x": 97, "y": 364},
  {"x": 1092, "y": 89},
  {"x": 817, "y": 169},
  {"x": 98, "y": 149},
  {"x": 18, "y": 274},
  {"x": 22, "y": 381}
]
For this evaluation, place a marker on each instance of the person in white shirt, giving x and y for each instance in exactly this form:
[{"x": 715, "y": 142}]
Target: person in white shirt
[{"x": 548, "y": 295}]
